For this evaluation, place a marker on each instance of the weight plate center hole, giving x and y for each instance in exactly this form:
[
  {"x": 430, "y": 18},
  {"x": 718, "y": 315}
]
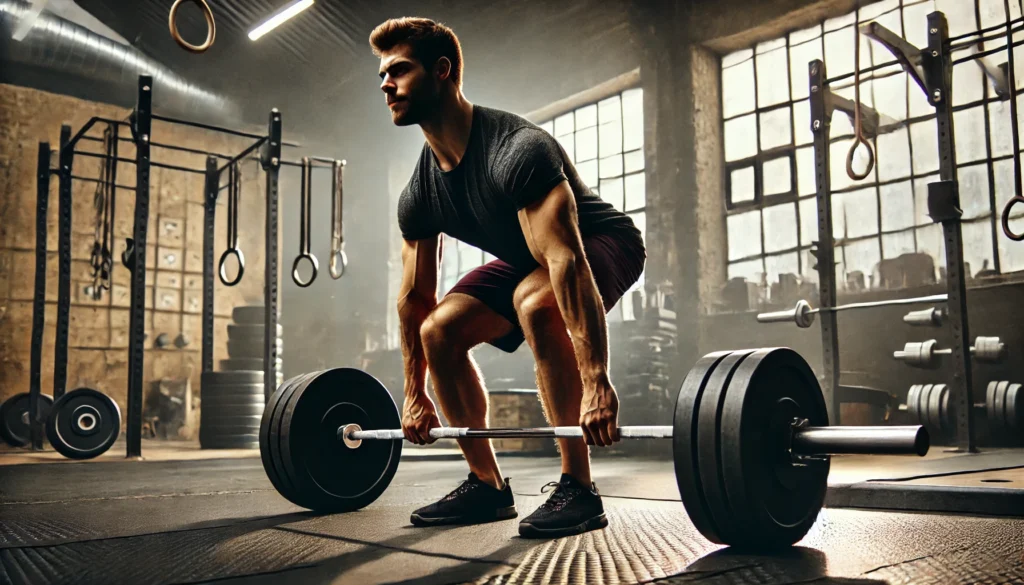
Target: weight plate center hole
[
  {"x": 346, "y": 434},
  {"x": 86, "y": 422}
]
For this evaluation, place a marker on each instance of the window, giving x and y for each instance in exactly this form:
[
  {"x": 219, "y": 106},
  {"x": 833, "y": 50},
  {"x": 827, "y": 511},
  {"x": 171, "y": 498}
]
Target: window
[
  {"x": 769, "y": 159},
  {"x": 605, "y": 142}
]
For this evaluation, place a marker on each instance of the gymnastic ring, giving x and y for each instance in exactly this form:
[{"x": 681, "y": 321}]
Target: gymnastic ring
[
  {"x": 849, "y": 159},
  {"x": 335, "y": 257},
  {"x": 295, "y": 269},
  {"x": 241, "y": 266},
  {"x": 1006, "y": 219},
  {"x": 211, "y": 27}
]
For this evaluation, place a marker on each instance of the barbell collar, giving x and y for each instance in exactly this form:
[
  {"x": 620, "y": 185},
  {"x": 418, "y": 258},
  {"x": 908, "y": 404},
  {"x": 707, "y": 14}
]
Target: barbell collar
[
  {"x": 908, "y": 440},
  {"x": 802, "y": 315}
]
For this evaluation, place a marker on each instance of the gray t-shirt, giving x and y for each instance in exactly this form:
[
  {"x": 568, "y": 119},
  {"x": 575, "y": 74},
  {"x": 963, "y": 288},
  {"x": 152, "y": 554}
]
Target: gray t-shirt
[{"x": 509, "y": 164}]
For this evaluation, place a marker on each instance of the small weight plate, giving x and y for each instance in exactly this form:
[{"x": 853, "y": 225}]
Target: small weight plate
[
  {"x": 250, "y": 441},
  {"x": 709, "y": 458},
  {"x": 212, "y": 422},
  {"x": 774, "y": 501},
  {"x": 994, "y": 417},
  {"x": 684, "y": 444},
  {"x": 270, "y": 439},
  {"x": 1012, "y": 407},
  {"x": 231, "y": 408},
  {"x": 253, "y": 389},
  {"x": 83, "y": 424},
  {"x": 998, "y": 405},
  {"x": 246, "y": 364},
  {"x": 244, "y": 348},
  {"x": 15, "y": 425},
  {"x": 935, "y": 408},
  {"x": 254, "y": 376},
  {"x": 328, "y": 475},
  {"x": 249, "y": 314},
  {"x": 912, "y": 399},
  {"x": 248, "y": 331}
]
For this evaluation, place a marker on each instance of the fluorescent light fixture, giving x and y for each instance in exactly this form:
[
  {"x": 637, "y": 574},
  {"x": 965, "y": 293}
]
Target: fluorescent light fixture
[{"x": 279, "y": 18}]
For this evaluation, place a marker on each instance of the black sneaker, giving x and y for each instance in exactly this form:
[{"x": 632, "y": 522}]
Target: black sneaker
[
  {"x": 473, "y": 502},
  {"x": 571, "y": 509}
]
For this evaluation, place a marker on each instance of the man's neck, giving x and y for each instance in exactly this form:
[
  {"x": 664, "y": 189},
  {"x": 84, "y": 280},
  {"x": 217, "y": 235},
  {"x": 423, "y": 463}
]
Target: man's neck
[{"x": 448, "y": 132}]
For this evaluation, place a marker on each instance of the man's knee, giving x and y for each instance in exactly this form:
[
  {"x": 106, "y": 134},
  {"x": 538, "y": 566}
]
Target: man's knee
[
  {"x": 441, "y": 335},
  {"x": 537, "y": 308}
]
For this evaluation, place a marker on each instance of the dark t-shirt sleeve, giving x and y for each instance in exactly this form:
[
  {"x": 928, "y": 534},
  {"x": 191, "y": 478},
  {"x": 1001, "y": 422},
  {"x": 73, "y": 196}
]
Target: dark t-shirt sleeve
[
  {"x": 528, "y": 165},
  {"x": 413, "y": 220}
]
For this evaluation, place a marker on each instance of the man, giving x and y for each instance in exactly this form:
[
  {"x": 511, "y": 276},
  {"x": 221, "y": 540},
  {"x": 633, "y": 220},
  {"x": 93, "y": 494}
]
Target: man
[{"x": 498, "y": 182}]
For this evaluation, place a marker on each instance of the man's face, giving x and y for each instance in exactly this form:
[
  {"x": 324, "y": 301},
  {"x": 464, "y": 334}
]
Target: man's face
[{"x": 411, "y": 91}]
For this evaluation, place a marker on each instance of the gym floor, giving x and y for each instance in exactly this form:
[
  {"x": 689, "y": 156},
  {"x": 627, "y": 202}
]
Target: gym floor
[{"x": 182, "y": 517}]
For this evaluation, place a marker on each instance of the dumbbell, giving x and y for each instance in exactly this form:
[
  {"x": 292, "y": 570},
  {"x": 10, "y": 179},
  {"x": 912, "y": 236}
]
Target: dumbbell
[
  {"x": 924, "y": 354},
  {"x": 929, "y": 405},
  {"x": 750, "y": 436}
]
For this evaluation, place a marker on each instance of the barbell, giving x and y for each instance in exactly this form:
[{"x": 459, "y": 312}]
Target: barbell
[
  {"x": 803, "y": 315},
  {"x": 750, "y": 435}
]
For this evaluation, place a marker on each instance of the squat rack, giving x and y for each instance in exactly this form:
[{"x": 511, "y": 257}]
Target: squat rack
[
  {"x": 932, "y": 70},
  {"x": 134, "y": 257}
]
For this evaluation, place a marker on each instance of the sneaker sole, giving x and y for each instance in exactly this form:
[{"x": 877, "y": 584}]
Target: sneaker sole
[
  {"x": 527, "y": 530},
  {"x": 499, "y": 514}
]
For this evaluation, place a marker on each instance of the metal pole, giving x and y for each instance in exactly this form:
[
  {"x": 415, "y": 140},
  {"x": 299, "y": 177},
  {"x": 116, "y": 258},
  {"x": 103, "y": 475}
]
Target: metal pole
[
  {"x": 39, "y": 297},
  {"x": 137, "y": 318},
  {"x": 60, "y": 350},
  {"x": 944, "y": 207},
  {"x": 271, "y": 160},
  {"x": 821, "y": 122},
  {"x": 209, "y": 221}
]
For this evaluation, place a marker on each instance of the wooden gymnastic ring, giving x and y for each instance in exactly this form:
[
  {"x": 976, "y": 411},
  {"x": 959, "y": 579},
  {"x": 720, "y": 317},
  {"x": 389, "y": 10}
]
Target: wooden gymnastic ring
[{"x": 211, "y": 27}]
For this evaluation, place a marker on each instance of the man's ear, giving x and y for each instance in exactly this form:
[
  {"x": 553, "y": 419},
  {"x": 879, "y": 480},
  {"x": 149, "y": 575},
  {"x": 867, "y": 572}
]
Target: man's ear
[{"x": 443, "y": 68}]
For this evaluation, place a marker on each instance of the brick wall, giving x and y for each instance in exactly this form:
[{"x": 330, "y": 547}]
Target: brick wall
[{"x": 98, "y": 333}]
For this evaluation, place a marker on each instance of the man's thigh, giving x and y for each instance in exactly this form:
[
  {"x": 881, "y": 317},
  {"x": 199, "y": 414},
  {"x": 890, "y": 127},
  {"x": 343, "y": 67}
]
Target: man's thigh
[
  {"x": 466, "y": 321},
  {"x": 493, "y": 285}
]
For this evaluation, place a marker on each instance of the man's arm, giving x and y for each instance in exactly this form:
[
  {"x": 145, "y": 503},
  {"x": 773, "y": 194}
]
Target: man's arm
[
  {"x": 417, "y": 296},
  {"x": 552, "y": 233}
]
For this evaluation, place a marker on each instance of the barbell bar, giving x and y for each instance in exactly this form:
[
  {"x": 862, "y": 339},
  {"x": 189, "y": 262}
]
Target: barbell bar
[
  {"x": 889, "y": 440},
  {"x": 751, "y": 443},
  {"x": 803, "y": 314}
]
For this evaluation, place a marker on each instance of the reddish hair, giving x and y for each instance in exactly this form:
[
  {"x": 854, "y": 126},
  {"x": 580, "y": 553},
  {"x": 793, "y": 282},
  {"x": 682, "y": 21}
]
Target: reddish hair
[{"x": 429, "y": 41}]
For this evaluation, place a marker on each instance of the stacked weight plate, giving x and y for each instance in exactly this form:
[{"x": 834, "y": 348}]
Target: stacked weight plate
[
  {"x": 230, "y": 411},
  {"x": 245, "y": 342}
]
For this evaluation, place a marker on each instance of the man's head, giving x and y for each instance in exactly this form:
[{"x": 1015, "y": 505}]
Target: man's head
[{"x": 420, "y": 60}]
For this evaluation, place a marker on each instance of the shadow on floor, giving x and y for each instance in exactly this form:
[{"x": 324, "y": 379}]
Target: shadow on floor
[{"x": 796, "y": 565}]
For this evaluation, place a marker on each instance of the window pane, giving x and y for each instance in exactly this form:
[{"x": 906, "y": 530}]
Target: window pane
[
  {"x": 548, "y": 127},
  {"x": 769, "y": 46},
  {"x": 738, "y": 89},
  {"x": 808, "y": 221},
  {"x": 806, "y": 182},
  {"x": 611, "y": 166},
  {"x": 741, "y": 187},
  {"x": 919, "y": 105},
  {"x": 469, "y": 258},
  {"x": 640, "y": 220},
  {"x": 744, "y": 233},
  {"x": 740, "y": 138},
  {"x": 921, "y": 216},
  {"x": 733, "y": 59},
  {"x": 800, "y": 57},
  {"x": 781, "y": 264},
  {"x": 861, "y": 256},
  {"x": 636, "y": 191},
  {"x": 777, "y": 176},
  {"x": 634, "y": 161},
  {"x": 586, "y": 117},
  {"x": 960, "y": 15},
  {"x": 978, "y": 245},
  {"x": 917, "y": 13},
  {"x": 838, "y": 216},
  {"x": 974, "y": 191},
  {"x": 611, "y": 138},
  {"x": 632, "y": 119},
  {"x": 838, "y": 22},
  {"x": 780, "y": 228},
  {"x": 925, "y": 143},
  {"x": 1001, "y": 140},
  {"x": 897, "y": 206},
  {"x": 861, "y": 208},
  {"x": 609, "y": 110},
  {"x": 968, "y": 83},
  {"x": 897, "y": 244},
  {"x": 564, "y": 124},
  {"x": 588, "y": 173},
  {"x": 970, "y": 141},
  {"x": 891, "y": 93},
  {"x": 776, "y": 128},
  {"x": 772, "y": 87},
  {"x": 802, "y": 36},
  {"x": 802, "y": 123},
  {"x": 611, "y": 191},
  {"x": 839, "y": 52},
  {"x": 893, "y": 156},
  {"x": 568, "y": 143},
  {"x": 750, "y": 270},
  {"x": 929, "y": 241},
  {"x": 586, "y": 144}
]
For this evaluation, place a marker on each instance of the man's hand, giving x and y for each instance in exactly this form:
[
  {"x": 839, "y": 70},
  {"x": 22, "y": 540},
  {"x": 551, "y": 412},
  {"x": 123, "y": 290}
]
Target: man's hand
[
  {"x": 418, "y": 417},
  {"x": 599, "y": 414}
]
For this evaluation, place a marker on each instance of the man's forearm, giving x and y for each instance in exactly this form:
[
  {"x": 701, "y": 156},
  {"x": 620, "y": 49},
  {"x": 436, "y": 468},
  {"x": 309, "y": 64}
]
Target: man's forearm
[
  {"x": 582, "y": 309},
  {"x": 412, "y": 311}
]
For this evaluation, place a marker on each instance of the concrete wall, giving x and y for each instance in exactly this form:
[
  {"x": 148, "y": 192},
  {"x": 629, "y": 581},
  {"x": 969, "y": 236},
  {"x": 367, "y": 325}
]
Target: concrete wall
[{"x": 98, "y": 333}]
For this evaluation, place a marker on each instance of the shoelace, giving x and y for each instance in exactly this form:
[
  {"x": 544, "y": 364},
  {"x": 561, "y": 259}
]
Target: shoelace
[
  {"x": 462, "y": 488},
  {"x": 561, "y": 496}
]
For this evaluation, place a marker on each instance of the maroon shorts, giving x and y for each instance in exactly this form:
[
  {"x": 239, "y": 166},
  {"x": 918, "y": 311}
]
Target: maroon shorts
[{"x": 616, "y": 261}]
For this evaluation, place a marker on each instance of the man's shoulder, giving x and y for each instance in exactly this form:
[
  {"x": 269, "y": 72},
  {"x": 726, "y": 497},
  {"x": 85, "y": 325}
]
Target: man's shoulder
[{"x": 501, "y": 124}]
